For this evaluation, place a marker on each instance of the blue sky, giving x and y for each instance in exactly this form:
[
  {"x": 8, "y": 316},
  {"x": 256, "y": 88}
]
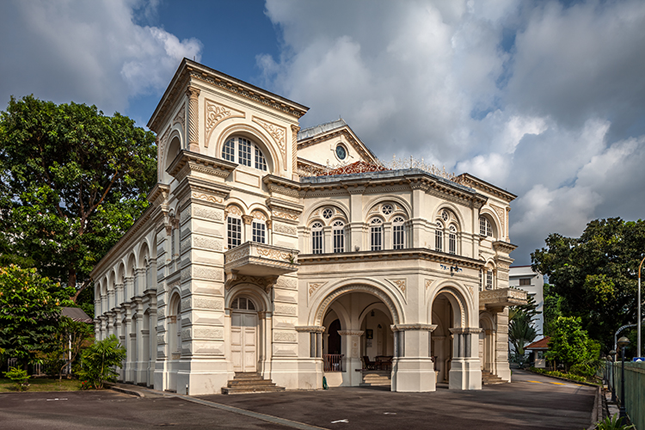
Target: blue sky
[{"x": 543, "y": 98}]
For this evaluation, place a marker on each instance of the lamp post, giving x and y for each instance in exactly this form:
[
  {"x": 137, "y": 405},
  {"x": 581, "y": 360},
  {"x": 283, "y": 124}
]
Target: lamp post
[
  {"x": 612, "y": 353},
  {"x": 622, "y": 343},
  {"x": 638, "y": 317}
]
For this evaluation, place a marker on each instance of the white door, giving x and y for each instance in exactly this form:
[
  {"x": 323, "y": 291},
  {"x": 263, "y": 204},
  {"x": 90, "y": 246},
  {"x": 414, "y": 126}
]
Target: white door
[{"x": 243, "y": 342}]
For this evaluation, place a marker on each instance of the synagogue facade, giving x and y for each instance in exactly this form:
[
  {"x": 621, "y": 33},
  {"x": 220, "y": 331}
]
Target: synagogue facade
[{"x": 254, "y": 258}]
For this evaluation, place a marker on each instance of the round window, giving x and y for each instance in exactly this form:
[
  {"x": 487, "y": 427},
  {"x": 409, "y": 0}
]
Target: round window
[{"x": 341, "y": 153}]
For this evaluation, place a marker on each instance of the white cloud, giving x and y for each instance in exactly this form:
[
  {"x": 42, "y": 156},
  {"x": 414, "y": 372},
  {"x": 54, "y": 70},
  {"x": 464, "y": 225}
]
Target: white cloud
[
  {"x": 92, "y": 52},
  {"x": 542, "y": 99}
]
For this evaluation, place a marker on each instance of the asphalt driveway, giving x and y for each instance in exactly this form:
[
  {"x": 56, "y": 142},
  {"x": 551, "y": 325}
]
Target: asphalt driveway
[{"x": 530, "y": 402}]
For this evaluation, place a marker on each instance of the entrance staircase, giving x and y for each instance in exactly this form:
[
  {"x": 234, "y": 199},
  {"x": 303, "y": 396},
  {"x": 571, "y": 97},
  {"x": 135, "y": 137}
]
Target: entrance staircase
[
  {"x": 490, "y": 379},
  {"x": 376, "y": 378},
  {"x": 250, "y": 382}
]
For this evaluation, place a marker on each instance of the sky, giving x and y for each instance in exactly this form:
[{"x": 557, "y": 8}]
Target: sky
[{"x": 545, "y": 99}]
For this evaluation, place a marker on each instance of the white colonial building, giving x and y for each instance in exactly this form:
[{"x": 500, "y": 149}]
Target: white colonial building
[{"x": 253, "y": 259}]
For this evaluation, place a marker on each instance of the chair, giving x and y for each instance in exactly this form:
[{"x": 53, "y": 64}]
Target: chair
[{"x": 368, "y": 364}]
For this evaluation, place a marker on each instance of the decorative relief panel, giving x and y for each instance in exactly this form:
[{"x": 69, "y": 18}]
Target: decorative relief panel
[
  {"x": 278, "y": 134},
  {"x": 208, "y": 213},
  {"x": 161, "y": 313},
  {"x": 285, "y": 337},
  {"x": 180, "y": 118},
  {"x": 501, "y": 214},
  {"x": 185, "y": 274},
  {"x": 400, "y": 284},
  {"x": 428, "y": 283},
  {"x": 286, "y": 310},
  {"x": 207, "y": 243},
  {"x": 185, "y": 304},
  {"x": 216, "y": 113},
  {"x": 285, "y": 229},
  {"x": 208, "y": 303},
  {"x": 206, "y": 197},
  {"x": 288, "y": 283},
  {"x": 160, "y": 339},
  {"x": 208, "y": 333},
  {"x": 314, "y": 286},
  {"x": 185, "y": 334},
  {"x": 286, "y": 215}
]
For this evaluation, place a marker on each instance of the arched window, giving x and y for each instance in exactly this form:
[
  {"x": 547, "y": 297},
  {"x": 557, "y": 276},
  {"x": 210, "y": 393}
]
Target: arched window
[
  {"x": 317, "y": 238},
  {"x": 485, "y": 227},
  {"x": 240, "y": 150},
  {"x": 452, "y": 239},
  {"x": 398, "y": 233},
  {"x": 234, "y": 231},
  {"x": 338, "y": 229},
  {"x": 438, "y": 237},
  {"x": 376, "y": 234},
  {"x": 243, "y": 304}
]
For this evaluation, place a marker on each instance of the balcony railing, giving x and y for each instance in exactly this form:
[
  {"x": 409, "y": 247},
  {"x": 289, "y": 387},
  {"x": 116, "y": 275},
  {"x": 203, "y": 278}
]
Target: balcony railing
[
  {"x": 333, "y": 362},
  {"x": 259, "y": 259},
  {"x": 492, "y": 299}
]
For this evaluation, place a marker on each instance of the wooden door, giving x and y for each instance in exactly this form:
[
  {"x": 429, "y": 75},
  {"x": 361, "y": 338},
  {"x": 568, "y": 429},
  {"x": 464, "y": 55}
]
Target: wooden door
[{"x": 243, "y": 342}]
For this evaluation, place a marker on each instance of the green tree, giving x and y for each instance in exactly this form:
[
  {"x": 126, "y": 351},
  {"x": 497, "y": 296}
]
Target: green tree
[
  {"x": 30, "y": 308},
  {"x": 594, "y": 276},
  {"x": 552, "y": 309},
  {"x": 70, "y": 337},
  {"x": 520, "y": 327},
  {"x": 73, "y": 181},
  {"x": 571, "y": 346},
  {"x": 99, "y": 361}
]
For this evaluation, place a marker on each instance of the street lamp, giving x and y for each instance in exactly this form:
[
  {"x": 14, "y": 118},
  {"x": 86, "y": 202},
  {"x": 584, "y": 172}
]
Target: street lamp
[
  {"x": 638, "y": 317},
  {"x": 622, "y": 343},
  {"x": 612, "y": 353}
]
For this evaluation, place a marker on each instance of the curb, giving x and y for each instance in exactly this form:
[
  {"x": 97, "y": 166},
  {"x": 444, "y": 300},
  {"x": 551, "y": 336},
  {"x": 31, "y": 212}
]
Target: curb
[
  {"x": 597, "y": 411},
  {"x": 124, "y": 390},
  {"x": 563, "y": 379}
]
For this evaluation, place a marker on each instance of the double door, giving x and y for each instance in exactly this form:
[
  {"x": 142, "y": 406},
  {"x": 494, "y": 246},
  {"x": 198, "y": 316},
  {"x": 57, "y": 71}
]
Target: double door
[{"x": 244, "y": 334}]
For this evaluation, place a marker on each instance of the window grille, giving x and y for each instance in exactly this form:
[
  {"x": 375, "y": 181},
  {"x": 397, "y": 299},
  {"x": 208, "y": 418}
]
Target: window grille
[
  {"x": 489, "y": 280},
  {"x": 481, "y": 280},
  {"x": 339, "y": 236},
  {"x": 228, "y": 152},
  {"x": 260, "y": 161},
  {"x": 525, "y": 282},
  {"x": 485, "y": 227},
  {"x": 327, "y": 213},
  {"x": 386, "y": 209},
  {"x": 377, "y": 234},
  {"x": 316, "y": 238},
  {"x": 438, "y": 237},
  {"x": 234, "y": 230},
  {"x": 244, "y": 152},
  {"x": 398, "y": 233},
  {"x": 259, "y": 232},
  {"x": 452, "y": 240}
]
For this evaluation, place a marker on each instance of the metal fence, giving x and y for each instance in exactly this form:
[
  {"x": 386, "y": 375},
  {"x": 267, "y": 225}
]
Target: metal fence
[{"x": 634, "y": 389}]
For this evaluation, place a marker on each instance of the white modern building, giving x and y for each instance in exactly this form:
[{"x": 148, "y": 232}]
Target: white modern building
[
  {"x": 254, "y": 262},
  {"x": 524, "y": 278}
]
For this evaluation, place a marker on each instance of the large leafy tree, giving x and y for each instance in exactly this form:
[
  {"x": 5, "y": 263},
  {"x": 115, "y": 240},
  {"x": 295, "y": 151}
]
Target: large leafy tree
[
  {"x": 30, "y": 307},
  {"x": 73, "y": 181},
  {"x": 594, "y": 277},
  {"x": 571, "y": 346}
]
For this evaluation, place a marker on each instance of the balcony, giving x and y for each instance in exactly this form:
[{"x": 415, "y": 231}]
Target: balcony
[
  {"x": 260, "y": 260},
  {"x": 496, "y": 300}
]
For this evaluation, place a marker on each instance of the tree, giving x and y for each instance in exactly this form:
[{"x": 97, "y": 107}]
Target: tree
[
  {"x": 71, "y": 337},
  {"x": 30, "y": 308},
  {"x": 99, "y": 361},
  {"x": 73, "y": 181},
  {"x": 520, "y": 327},
  {"x": 571, "y": 346},
  {"x": 595, "y": 275}
]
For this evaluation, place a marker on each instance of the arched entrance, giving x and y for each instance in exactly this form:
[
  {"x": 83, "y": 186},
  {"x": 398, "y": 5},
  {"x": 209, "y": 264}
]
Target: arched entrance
[
  {"x": 244, "y": 334},
  {"x": 357, "y": 336},
  {"x": 455, "y": 344}
]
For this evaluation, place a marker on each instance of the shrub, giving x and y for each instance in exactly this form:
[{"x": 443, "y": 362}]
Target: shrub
[
  {"x": 19, "y": 377},
  {"x": 99, "y": 361},
  {"x": 613, "y": 423}
]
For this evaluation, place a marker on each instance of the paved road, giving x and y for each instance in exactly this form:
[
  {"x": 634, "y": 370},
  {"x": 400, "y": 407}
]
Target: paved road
[{"x": 530, "y": 402}]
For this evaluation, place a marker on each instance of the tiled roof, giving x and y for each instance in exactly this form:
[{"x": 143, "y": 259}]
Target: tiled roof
[
  {"x": 539, "y": 344},
  {"x": 320, "y": 128},
  {"x": 76, "y": 314}
]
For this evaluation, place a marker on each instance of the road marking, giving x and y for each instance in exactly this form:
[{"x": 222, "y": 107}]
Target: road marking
[
  {"x": 340, "y": 421},
  {"x": 535, "y": 382},
  {"x": 389, "y": 413},
  {"x": 557, "y": 383},
  {"x": 49, "y": 400},
  {"x": 257, "y": 415}
]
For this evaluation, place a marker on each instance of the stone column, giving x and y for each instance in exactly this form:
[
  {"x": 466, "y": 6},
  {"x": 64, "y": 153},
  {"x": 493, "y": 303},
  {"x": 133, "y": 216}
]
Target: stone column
[
  {"x": 465, "y": 368},
  {"x": 328, "y": 244},
  {"x": 127, "y": 343},
  {"x": 121, "y": 337},
  {"x": 104, "y": 304},
  {"x": 413, "y": 369},
  {"x": 351, "y": 341},
  {"x": 111, "y": 300},
  {"x": 193, "y": 118},
  {"x": 110, "y": 323},
  {"x": 128, "y": 289},
  {"x": 141, "y": 363},
  {"x": 311, "y": 370},
  {"x": 119, "y": 293},
  {"x": 140, "y": 276},
  {"x": 501, "y": 347}
]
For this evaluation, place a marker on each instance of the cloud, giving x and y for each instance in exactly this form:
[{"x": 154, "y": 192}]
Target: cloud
[
  {"x": 544, "y": 99},
  {"x": 92, "y": 52}
]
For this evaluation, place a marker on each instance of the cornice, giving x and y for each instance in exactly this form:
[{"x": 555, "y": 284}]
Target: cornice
[
  {"x": 391, "y": 255},
  {"x": 471, "y": 181},
  {"x": 190, "y": 70},
  {"x": 187, "y": 161},
  {"x": 505, "y": 247}
]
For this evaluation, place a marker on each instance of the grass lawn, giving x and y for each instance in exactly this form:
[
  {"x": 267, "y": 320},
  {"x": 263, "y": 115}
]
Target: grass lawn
[{"x": 42, "y": 384}]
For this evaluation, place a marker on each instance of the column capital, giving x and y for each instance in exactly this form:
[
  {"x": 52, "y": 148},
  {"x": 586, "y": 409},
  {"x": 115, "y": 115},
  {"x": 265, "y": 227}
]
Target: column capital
[
  {"x": 351, "y": 332},
  {"x": 311, "y": 329},
  {"x": 410, "y": 327}
]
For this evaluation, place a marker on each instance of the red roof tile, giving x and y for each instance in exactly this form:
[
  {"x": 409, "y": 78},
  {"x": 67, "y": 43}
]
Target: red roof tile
[
  {"x": 539, "y": 344},
  {"x": 357, "y": 167}
]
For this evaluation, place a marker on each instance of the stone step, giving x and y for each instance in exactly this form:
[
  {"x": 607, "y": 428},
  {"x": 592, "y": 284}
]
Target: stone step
[
  {"x": 490, "y": 379},
  {"x": 250, "y": 382}
]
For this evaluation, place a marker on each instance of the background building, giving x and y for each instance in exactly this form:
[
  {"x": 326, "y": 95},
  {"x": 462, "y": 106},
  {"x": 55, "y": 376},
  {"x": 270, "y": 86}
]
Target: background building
[{"x": 533, "y": 283}]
